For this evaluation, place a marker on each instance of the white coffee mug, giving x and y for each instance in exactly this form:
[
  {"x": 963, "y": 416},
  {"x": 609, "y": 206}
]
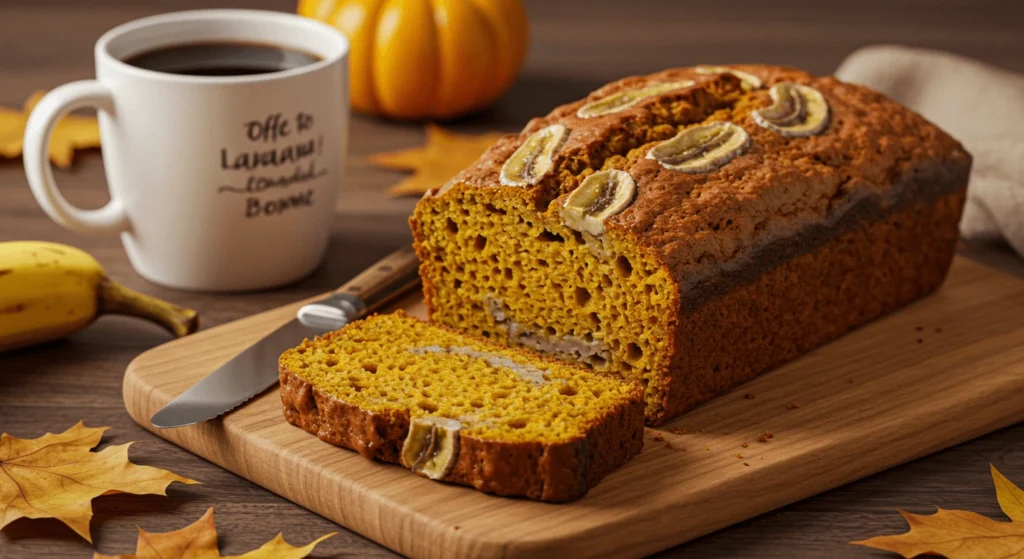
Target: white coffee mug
[{"x": 216, "y": 183}]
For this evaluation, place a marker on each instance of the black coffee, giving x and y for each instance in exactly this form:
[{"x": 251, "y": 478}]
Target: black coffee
[{"x": 221, "y": 59}]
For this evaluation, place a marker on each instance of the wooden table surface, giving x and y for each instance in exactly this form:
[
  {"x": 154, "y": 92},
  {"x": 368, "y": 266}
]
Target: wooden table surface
[{"x": 576, "y": 46}]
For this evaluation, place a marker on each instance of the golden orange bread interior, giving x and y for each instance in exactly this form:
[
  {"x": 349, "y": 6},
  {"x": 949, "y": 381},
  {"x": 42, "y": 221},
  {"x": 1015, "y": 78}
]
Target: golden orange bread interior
[
  {"x": 394, "y": 364},
  {"x": 610, "y": 313}
]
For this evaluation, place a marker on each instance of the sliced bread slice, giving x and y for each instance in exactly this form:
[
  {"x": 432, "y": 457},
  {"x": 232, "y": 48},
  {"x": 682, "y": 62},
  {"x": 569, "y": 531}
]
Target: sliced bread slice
[{"x": 461, "y": 409}]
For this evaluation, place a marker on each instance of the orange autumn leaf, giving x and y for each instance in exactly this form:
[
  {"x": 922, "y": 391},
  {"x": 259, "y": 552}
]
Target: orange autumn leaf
[
  {"x": 958, "y": 534},
  {"x": 57, "y": 476},
  {"x": 199, "y": 541},
  {"x": 444, "y": 155},
  {"x": 71, "y": 133}
]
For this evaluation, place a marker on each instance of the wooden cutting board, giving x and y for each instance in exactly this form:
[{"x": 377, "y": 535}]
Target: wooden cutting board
[{"x": 940, "y": 372}]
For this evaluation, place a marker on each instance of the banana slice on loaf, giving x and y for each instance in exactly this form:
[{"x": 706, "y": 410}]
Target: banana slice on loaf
[{"x": 461, "y": 409}]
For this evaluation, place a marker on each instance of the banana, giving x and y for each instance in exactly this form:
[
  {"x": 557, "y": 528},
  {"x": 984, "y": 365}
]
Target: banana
[{"x": 49, "y": 290}]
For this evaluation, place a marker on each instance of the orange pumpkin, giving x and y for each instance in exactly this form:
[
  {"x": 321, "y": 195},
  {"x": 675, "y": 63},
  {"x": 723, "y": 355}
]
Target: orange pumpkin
[{"x": 427, "y": 59}]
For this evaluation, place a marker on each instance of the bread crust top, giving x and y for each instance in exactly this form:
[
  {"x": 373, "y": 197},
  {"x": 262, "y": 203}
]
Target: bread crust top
[{"x": 872, "y": 149}]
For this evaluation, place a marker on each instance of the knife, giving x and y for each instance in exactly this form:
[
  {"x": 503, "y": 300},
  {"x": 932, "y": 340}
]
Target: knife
[{"x": 255, "y": 369}]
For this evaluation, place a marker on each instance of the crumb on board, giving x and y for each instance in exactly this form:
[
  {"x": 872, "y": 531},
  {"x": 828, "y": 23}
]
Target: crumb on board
[
  {"x": 659, "y": 437},
  {"x": 706, "y": 448},
  {"x": 920, "y": 341},
  {"x": 676, "y": 431},
  {"x": 745, "y": 444},
  {"x": 749, "y": 396},
  {"x": 792, "y": 406},
  {"x": 746, "y": 463},
  {"x": 668, "y": 445},
  {"x": 739, "y": 456},
  {"x": 765, "y": 436}
]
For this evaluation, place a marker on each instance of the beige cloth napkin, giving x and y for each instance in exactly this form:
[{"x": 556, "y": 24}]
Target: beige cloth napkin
[{"x": 980, "y": 105}]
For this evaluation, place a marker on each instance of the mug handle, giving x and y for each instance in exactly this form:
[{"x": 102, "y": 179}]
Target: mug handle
[{"x": 36, "y": 155}]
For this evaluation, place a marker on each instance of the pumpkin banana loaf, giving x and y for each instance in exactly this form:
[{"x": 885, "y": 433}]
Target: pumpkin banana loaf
[
  {"x": 461, "y": 409},
  {"x": 693, "y": 228}
]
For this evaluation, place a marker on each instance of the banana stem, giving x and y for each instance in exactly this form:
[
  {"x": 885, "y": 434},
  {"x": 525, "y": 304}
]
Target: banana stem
[{"x": 115, "y": 298}]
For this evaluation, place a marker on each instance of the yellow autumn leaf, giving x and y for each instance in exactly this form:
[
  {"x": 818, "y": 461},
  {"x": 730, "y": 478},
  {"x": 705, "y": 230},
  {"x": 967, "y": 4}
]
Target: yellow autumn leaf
[
  {"x": 958, "y": 534},
  {"x": 58, "y": 475},
  {"x": 199, "y": 541},
  {"x": 71, "y": 133},
  {"x": 444, "y": 155},
  {"x": 1011, "y": 497}
]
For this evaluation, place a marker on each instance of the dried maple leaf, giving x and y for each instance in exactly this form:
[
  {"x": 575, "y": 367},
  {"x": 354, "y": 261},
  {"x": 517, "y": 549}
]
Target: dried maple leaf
[
  {"x": 71, "y": 133},
  {"x": 958, "y": 534},
  {"x": 445, "y": 154},
  {"x": 199, "y": 541},
  {"x": 57, "y": 476}
]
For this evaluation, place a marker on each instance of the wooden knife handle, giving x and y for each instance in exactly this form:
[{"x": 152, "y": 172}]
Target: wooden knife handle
[{"x": 390, "y": 277}]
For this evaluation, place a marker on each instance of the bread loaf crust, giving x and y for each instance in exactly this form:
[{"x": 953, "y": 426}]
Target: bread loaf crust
[
  {"x": 694, "y": 224},
  {"x": 552, "y": 472},
  {"x": 859, "y": 274}
]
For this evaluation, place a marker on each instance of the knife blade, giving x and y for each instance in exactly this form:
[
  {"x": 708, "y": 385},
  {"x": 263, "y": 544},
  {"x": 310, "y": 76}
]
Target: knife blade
[{"x": 255, "y": 369}]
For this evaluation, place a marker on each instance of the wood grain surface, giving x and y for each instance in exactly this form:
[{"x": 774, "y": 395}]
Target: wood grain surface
[
  {"x": 576, "y": 46},
  {"x": 879, "y": 396}
]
